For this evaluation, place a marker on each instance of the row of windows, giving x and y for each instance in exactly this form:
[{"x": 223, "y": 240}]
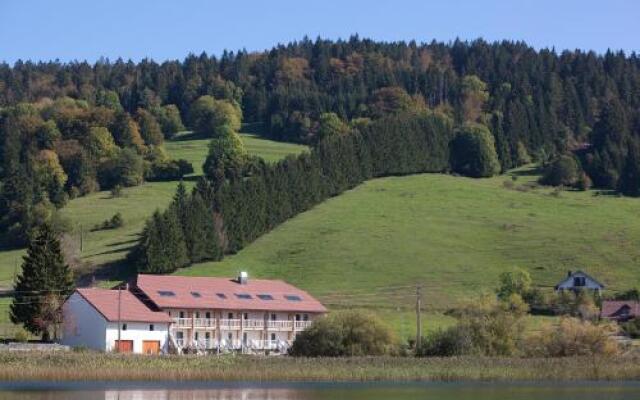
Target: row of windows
[
  {"x": 243, "y": 296},
  {"x": 124, "y": 327},
  {"x": 273, "y": 317}
]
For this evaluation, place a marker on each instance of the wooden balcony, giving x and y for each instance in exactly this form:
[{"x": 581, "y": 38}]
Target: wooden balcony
[
  {"x": 302, "y": 325},
  {"x": 204, "y": 323}
]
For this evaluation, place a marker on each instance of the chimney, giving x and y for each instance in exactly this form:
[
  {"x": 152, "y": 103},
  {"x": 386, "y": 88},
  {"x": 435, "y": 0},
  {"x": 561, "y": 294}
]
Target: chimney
[
  {"x": 569, "y": 273},
  {"x": 243, "y": 278}
]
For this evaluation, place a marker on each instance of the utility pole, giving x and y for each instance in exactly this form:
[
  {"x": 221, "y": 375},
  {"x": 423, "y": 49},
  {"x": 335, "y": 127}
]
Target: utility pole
[{"x": 418, "y": 318}]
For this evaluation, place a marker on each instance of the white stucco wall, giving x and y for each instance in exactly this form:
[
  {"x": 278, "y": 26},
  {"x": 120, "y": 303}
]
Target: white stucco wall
[
  {"x": 83, "y": 325},
  {"x": 588, "y": 284},
  {"x": 138, "y": 332}
]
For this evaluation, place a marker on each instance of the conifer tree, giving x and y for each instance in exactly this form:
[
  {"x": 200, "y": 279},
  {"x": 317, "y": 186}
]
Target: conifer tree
[
  {"x": 629, "y": 182},
  {"x": 162, "y": 248},
  {"x": 45, "y": 282}
]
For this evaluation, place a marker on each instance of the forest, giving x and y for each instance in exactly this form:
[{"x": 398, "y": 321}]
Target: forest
[{"x": 368, "y": 109}]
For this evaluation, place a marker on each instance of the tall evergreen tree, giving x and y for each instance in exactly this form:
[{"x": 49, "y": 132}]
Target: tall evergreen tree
[
  {"x": 45, "y": 282},
  {"x": 629, "y": 182}
]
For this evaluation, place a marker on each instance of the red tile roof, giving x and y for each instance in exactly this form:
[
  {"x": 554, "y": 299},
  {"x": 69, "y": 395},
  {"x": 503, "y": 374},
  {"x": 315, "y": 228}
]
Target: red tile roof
[
  {"x": 202, "y": 293},
  {"x": 613, "y": 309},
  {"x": 105, "y": 301}
]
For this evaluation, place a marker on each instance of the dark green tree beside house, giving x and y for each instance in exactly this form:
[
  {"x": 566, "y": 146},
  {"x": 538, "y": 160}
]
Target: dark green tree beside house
[{"x": 43, "y": 285}]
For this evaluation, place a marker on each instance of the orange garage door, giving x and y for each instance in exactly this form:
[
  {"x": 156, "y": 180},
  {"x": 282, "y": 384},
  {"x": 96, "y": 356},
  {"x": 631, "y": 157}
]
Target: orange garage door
[
  {"x": 151, "y": 347},
  {"x": 124, "y": 346}
]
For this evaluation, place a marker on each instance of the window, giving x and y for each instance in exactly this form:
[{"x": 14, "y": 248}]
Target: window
[
  {"x": 305, "y": 317},
  {"x": 579, "y": 281},
  {"x": 246, "y": 315},
  {"x": 207, "y": 335},
  {"x": 196, "y": 335},
  {"x": 244, "y": 338},
  {"x": 124, "y": 327},
  {"x": 221, "y": 295},
  {"x": 297, "y": 317},
  {"x": 292, "y": 297},
  {"x": 230, "y": 316},
  {"x": 151, "y": 327},
  {"x": 243, "y": 296},
  {"x": 273, "y": 336},
  {"x": 179, "y": 335},
  {"x": 181, "y": 314},
  {"x": 207, "y": 315},
  {"x": 265, "y": 297},
  {"x": 166, "y": 293},
  {"x": 197, "y": 295},
  {"x": 230, "y": 336},
  {"x": 273, "y": 317},
  {"x": 197, "y": 314}
]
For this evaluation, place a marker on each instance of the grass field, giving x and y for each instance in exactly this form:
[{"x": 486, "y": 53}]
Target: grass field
[
  {"x": 107, "y": 248},
  {"x": 370, "y": 246}
]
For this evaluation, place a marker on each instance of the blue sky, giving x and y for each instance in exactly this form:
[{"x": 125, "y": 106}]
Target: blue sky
[{"x": 162, "y": 29}]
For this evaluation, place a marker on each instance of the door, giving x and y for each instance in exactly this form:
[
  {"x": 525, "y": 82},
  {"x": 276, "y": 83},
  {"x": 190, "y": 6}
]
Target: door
[
  {"x": 124, "y": 346},
  {"x": 151, "y": 346}
]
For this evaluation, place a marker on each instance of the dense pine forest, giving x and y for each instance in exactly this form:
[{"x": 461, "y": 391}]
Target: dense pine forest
[{"x": 368, "y": 109}]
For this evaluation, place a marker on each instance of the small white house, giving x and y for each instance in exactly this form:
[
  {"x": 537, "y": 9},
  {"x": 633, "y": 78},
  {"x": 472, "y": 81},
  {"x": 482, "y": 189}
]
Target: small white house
[
  {"x": 579, "y": 280},
  {"x": 92, "y": 316}
]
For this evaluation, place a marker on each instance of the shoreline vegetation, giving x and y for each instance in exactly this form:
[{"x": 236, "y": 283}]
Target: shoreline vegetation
[{"x": 90, "y": 366}]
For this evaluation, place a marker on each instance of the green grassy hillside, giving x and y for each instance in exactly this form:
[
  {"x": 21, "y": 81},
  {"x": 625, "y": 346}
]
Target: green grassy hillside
[{"x": 370, "y": 246}]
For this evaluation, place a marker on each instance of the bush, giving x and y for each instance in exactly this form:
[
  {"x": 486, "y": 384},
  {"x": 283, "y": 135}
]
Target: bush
[
  {"x": 564, "y": 171},
  {"x": 631, "y": 328},
  {"x": 21, "y": 336},
  {"x": 125, "y": 169},
  {"x": 571, "y": 338},
  {"x": 113, "y": 223},
  {"x": 347, "y": 333},
  {"x": 454, "y": 341},
  {"x": 473, "y": 152},
  {"x": 170, "y": 170},
  {"x": 116, "y": 191},
  {"x": 485, "y": 327}
]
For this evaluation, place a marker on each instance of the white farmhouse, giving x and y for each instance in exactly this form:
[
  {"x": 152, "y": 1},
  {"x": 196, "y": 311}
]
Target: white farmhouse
[
  {"x": 91, "y": 319},
  {"x": 190, "y": 314},
  {"x": 579, "y": 280}
]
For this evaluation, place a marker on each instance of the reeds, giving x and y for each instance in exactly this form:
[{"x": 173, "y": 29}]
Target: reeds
[{"x": 89, "y": 366}]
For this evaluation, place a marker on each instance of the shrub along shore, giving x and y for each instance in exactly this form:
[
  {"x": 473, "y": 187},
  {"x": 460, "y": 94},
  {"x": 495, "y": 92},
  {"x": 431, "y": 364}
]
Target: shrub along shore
[{"x": 89, "y": 366}]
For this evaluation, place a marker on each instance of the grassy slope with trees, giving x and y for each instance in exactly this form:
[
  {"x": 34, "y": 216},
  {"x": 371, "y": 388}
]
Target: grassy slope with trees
[
  {"x": 454, "y": 235},
  {"x": 136, "y": 205}
]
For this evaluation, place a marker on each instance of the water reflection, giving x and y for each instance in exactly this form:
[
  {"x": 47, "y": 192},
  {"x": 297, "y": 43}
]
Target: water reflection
[
  {"x": 324, "y": 391},
  {"x": 219, "y": 394}
]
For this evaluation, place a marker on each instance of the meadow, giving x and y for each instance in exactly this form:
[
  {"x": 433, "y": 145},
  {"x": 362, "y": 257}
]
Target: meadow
[{"x": 371, "y": 246}]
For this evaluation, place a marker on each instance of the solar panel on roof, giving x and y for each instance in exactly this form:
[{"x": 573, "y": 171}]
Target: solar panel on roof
[
  {"x": 292, "y": 297},
  {"x": 166, "y": 293},
  {"x": 221, "y": 295},
  {"x": 244, "y": 296},
  {"x": 265, "y": 297},
  {"x": 196, "y": 294}
]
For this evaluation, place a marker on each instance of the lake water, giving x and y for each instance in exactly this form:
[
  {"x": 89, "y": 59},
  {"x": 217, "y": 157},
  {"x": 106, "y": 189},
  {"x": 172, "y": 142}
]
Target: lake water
[{"x": 320, "y": 391}]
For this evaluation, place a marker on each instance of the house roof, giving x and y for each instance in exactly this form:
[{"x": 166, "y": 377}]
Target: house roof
[
  {"x": 579, "y": 272},
  {"x": 613, "y": 309},
  {"x": 168, "y": 291},
  {"x": 105, "y": 301}
]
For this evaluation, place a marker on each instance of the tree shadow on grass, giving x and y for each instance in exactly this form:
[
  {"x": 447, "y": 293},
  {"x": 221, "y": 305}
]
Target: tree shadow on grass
[
  {"x": 118, "y": 270},
  {"x": 534, "y": 171}
]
